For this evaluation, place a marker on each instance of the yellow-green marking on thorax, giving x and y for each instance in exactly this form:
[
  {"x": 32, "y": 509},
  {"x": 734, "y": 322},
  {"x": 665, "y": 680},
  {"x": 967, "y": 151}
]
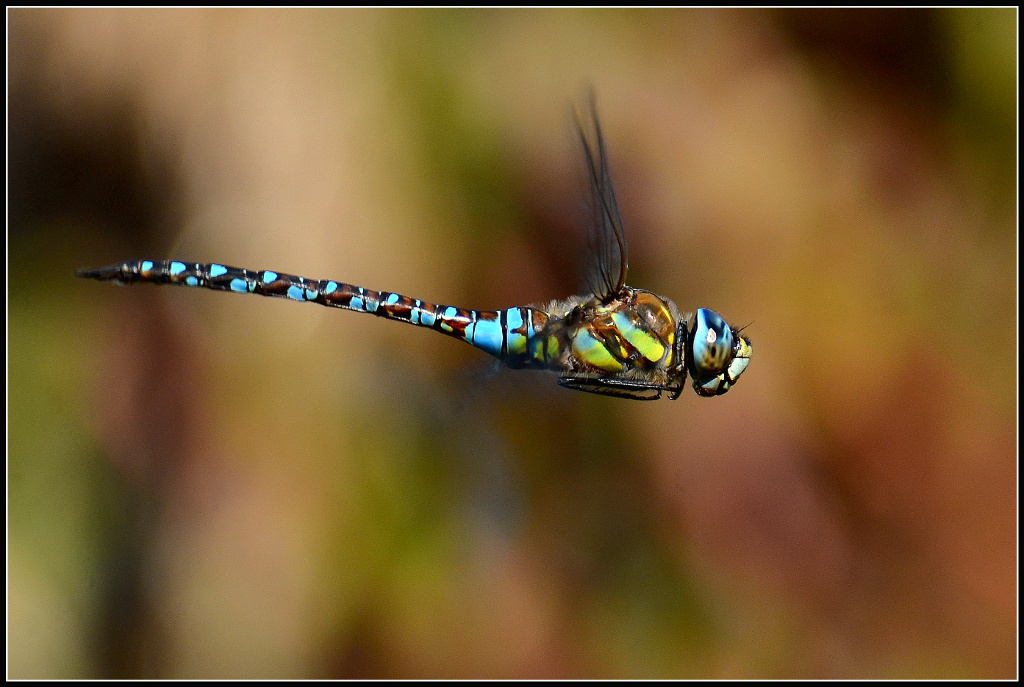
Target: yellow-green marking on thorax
[
  {"x": 643, "y": 341},
  {"x": 591, "y": 351}
]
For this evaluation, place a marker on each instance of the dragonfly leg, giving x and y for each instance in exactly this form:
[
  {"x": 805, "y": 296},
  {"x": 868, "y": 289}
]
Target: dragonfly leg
[{"x": 620, "y": 388}]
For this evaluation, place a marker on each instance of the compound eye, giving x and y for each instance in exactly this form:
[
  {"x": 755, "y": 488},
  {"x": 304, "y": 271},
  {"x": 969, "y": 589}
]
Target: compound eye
[
  {"x": 711, "y": 345},
  {"x": 712, "y": 387}
]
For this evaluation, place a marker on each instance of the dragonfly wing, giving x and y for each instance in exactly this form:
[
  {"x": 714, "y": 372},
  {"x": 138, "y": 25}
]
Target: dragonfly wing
[{"x": 606, "y": 274}]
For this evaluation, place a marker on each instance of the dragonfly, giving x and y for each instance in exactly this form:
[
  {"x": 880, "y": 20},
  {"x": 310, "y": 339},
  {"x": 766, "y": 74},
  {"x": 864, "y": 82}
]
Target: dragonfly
[{"x": 612, "y": 339}]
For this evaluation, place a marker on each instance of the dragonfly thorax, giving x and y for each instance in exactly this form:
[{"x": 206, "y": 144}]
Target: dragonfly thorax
[{"x": 631, "y": 336}]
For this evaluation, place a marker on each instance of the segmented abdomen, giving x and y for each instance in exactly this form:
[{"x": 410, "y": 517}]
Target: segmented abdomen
[{"x": 506, "y": 334}]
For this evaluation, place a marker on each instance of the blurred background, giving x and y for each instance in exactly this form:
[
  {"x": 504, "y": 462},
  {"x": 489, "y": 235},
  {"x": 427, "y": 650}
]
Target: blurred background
[{"x": 207, "y": 485}]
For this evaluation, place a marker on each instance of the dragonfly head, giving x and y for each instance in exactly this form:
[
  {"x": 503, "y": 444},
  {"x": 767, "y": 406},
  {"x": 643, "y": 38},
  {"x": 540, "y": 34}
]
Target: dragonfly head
[{"x": 715, "y": 355}]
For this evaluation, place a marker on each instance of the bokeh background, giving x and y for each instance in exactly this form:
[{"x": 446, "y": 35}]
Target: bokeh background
[{"x": 207, "y": 485}]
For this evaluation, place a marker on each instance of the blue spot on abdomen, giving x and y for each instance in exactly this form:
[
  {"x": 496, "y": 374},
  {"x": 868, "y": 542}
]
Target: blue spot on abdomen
[{"x": 487, "y": 336}]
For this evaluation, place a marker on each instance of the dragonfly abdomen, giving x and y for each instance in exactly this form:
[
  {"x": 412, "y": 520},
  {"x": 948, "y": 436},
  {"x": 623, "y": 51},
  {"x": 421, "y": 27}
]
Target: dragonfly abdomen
[{"x": 505, "y": 334}]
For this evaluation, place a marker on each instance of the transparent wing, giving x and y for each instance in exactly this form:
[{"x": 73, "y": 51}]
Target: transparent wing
[{"x": 606, "y": 274}]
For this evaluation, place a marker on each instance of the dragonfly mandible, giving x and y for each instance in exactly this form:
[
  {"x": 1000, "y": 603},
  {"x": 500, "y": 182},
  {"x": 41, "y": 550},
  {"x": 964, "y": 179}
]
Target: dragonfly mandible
[{"x": 614, "y": 339}]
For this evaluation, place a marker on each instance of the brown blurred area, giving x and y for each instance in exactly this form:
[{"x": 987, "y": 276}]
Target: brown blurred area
[{"x": 202, "y": 485}]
